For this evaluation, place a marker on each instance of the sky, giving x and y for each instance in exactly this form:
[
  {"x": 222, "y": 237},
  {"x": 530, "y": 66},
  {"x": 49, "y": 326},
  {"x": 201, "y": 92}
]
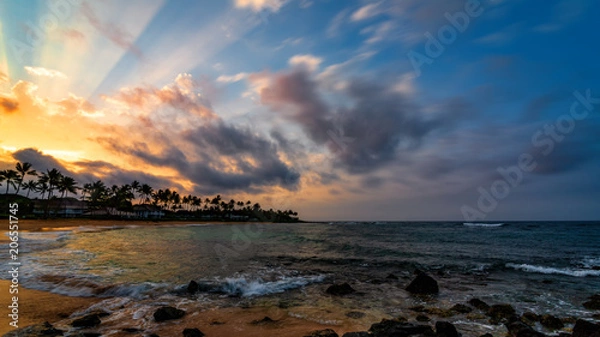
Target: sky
[{"x": 458, "y": 110}]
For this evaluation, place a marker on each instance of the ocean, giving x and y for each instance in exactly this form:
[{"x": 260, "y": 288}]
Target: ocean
[{"x": 542, "y": 267}]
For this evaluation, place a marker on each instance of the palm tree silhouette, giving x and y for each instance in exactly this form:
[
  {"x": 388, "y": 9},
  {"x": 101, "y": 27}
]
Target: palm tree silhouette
[
  {"x": 11, "y": 176},
  {"x": 31, "y": 185},
  {"x": 24, "y": 169}
]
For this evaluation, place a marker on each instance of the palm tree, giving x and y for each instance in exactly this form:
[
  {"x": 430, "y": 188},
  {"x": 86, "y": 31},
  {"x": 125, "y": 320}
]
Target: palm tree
[
  {"x": 67, "y": 185},
  {"x": 135, "y": 188},
  {"x": 31, "y": 185},
  {"x": 146, "y": 192},
  {"x": 24, "y": 169},
  {"x": 11, "y": 176},
  {"x": 53, "y": 178}
]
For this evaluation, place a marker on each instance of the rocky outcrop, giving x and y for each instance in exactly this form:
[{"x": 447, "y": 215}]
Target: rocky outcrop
[
  {"x": 388, "y": 327},
  {"x": 501, "y": 312},
  {"x": 340, "y": 289},
  {"x": 323, "y": 333},
  {"x": 192, "y": 287},
  {"x": 520, "y": 329},
  {"x": 593, "y": 302},
  {"x": 87, "y": 321},
  {"x": 167, "y": 313},
  {"x": 584, "y": 328},
  {"x": 423, "y": 284},
  {"x": 479, "y": 304},
  {"x": 192, "y": 332},
  {"x": 445, "y": 329},
  {"x": 551, "y": 322}
]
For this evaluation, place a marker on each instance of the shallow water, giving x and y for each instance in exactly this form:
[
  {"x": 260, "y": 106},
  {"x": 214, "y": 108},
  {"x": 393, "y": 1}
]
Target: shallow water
[{"x": 545, "y": 267}]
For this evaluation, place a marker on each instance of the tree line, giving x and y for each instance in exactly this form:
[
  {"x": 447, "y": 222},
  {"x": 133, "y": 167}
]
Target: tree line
[{"x": 52, "y": 185}]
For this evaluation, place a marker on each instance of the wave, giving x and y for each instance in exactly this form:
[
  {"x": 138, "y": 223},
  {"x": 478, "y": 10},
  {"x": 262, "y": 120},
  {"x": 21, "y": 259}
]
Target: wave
[
  {"x": 552, "y": 270},
  {"x": 475, "y": 224},
  {"x": 243, "y": 287}
]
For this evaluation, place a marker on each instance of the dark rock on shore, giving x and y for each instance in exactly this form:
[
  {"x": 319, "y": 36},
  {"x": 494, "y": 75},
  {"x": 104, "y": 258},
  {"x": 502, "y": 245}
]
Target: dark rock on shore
[
  {"x": 479, "y": 304},
  {"x": 461, "y": 308},
  {"x": 192, "y": 287},
  {"x": 499, "y": 312},
  {"x": 323, "y": 333},
  {"x": 355, "y": 314},
  {"x": 356, "y": 334},
  {"x": 520, "y": 329},
  {"x": 167, "y": 313},
  {"x": 530, "y": 317},
  {"x": 551, "y": 322},
  {"x": 131, "y": 330},
  {"x": 340, "y": 289},
  {"x": 264, "y": 321},
  {"x": 593, "y": 303},
  {"x": 387, "y": 328},
  {"x": 487, "y": 335},
  {"x": 584, "y": 328},
  {"x": 87, "y": 321},
  {"x": 392, "y": 277},
  {"x": 192, "y": 332},
  {"x": 423, "y": 284},
  {"x": 445, "y": 329}
]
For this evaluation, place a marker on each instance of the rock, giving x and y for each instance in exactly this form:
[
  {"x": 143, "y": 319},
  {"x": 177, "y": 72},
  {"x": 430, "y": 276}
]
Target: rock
[
  {"x": 499, "y": 312},
  {"x": 551, "y": 322},
  {"x": 593, "y": 303},
  {"x": 46, "y": 330},
  {"x": 167, "y": 313},
  {"x": 86, "y": 321},
  {"x": 340, "y": 289},
  {"x": 487, "y": 335},
  {"x": 520, "y": 329},
  {"x": 356, "y": 334},
  {"x": 91, "y": 334},
  {"x": 153, "y": 335},
  {"x": 530, "y": 317},
  {"x": 387, "y": 328},
  {"x": 422, "y": 318},
  {"x": 423, "y": 284},
  {"x": 355, "y": 314},
  {"x": 392, "y": 277},
  {"x": 479, "y": 304},
  {"x": 440, "y": 312},
  {"x": 265, "y": 320},
  {"x": 131, "y": 330},
  {"x": 445, "y": 329},
  {"x": 192, "y": 332},
  {"x": 192, "y": 287},
  {"x": 584, "y": 328},
  {"x": 418, "y": 308},
  {"x": 461, "y": 308},
  {"x": 323, "y": 333}
]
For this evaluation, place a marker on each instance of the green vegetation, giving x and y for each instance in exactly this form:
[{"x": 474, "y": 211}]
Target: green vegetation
[{"x": 56, "y": 196}]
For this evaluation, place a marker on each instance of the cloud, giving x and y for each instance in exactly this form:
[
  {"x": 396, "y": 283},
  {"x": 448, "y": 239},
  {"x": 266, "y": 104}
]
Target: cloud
[
  {"x": 44, "y": 72},
  {"x": 181, "y": 95},
  {"x": 217, "y": 158},
  {"x": 111, "y": 31},
  {"x": 379, "y": 32},
  {"x": 8, "y": 104},
  {"x": 76, "y": 105},
  {"x": 333, "y": 29},
  {"x": 3, "y": 77},
  {"x": 258, "y": 5},
  {"x": 307, "y": 61},
  {"x": 366, "y": 12},
  {"x": 232, "y": 78},
  {"x": 372, "y": 127}
]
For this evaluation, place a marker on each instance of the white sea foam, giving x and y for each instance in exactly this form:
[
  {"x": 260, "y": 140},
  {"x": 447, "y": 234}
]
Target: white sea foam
[
  {"x": 475, "y": 224},
  {"x": 552, "y": 270},
  {"x": 241, "y": 286}
]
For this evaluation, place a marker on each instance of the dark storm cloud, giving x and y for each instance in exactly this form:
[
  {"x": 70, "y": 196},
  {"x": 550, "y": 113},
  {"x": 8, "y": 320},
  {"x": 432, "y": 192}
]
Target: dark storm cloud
[
  {"x": 255, "y": 156},
  {"x": 8, "y": 105},
  {"x": 366, "y": 133},
  {"x": 226, "y": 158}
]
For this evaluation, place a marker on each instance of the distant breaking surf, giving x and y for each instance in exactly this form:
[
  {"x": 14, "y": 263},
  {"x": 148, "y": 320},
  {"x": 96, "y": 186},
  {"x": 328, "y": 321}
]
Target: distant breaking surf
[{"x": 474, "y": 224}]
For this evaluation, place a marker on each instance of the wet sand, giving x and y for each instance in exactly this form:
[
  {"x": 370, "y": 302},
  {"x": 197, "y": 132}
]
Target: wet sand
[{"x": 36, "y": 307}]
